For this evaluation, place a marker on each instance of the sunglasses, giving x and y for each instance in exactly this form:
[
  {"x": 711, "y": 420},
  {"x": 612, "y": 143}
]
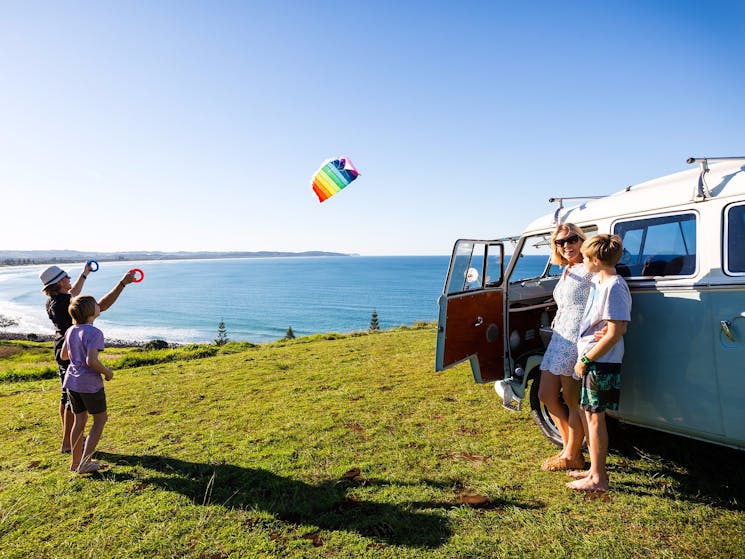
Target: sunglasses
[{"x": 569, "y": 240}]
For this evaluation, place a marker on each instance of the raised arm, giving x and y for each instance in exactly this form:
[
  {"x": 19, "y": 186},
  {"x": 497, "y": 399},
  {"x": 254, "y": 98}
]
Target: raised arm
[
  {"x": 111, "y": 297},
  {"x": 77, "y": 287}
]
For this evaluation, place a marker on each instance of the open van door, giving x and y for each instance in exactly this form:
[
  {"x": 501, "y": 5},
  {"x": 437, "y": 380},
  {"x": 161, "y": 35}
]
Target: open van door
[{"x": 472, "y": 310}]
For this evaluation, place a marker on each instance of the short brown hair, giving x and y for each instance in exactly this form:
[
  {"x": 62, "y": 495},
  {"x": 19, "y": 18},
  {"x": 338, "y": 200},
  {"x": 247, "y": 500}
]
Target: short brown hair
[
  {"x": 606, "y": 248},
  {"x": 572, "y": 229},
  {"x": 82, "y": 308},
  {"x": 53, "y": 289}
]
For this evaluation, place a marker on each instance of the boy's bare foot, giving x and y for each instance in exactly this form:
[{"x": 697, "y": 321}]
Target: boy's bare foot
[
  {"x": 590, "y": 483},
  {"x": 577, "y": 474},
  {"x": 88, "y": 467}
]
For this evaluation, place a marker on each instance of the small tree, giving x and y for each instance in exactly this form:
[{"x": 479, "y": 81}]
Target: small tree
[
  {"x": 290, "y": 335},
  {"x": 374, "y": 325},
  {"x": 222, "y": 333},
  {"x": 6, "y": 321}
]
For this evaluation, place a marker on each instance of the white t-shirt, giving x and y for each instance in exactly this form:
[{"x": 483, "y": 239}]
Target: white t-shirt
[{"x": 610, "y": 300}]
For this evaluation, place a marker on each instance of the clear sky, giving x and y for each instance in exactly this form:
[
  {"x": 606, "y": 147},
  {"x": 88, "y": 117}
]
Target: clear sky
[{"x": 197, "y": 125}]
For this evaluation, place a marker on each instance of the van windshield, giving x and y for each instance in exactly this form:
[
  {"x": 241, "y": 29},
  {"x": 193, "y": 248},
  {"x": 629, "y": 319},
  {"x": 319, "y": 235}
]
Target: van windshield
[{"x": 534, "y": 259}]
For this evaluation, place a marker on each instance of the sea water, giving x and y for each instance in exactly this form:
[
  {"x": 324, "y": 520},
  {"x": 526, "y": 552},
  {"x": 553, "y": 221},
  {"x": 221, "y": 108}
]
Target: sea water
[{"x": 183, "y": 301}]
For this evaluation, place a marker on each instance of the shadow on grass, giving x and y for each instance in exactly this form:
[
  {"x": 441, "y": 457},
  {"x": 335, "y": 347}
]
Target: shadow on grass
[
  {"x": 684, "y": 468},
  {"x": 325, "y": 505}
]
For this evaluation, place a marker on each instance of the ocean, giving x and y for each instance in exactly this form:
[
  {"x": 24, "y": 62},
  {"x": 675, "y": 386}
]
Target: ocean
[{"x": 183, "y": 301}]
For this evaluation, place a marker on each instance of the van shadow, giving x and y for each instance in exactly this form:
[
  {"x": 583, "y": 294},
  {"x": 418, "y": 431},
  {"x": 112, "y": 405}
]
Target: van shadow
[
  {"x": 325, "y": 505},
  {"x": 683, "y": 468}
]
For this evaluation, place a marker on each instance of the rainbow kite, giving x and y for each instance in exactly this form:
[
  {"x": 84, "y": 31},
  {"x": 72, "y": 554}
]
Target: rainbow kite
[{"x": 333, "y": 175}]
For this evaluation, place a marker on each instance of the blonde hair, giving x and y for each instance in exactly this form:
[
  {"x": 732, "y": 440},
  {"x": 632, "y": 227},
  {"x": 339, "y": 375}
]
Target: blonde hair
[
  {"x": 82, "y": 308},
  {"x": 572, "y": 229},
  {"x": 606, "y": 248}
]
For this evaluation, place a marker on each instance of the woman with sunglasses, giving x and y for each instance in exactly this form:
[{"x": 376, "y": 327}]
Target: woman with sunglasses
[{"x": 557, "y": 368}]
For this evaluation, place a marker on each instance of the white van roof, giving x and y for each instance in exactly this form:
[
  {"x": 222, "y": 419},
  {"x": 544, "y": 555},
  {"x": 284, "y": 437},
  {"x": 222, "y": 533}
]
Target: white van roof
[{"x": 721, "y": 179}]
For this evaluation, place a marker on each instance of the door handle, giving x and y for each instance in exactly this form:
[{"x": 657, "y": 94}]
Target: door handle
[
  {"x": 725, "y": 325},
  {"x": 479, "y": 321}
]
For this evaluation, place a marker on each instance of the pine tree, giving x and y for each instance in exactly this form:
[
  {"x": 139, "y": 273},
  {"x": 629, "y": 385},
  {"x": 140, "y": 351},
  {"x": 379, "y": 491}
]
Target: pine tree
[
  {"x": 290, "y": 334},
  {"x": 222, "y": 333},
  {"x": 374, "y": 325}
]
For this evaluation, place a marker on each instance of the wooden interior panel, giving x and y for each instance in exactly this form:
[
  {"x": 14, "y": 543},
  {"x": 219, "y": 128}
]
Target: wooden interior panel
[{"x": 473, "y": 326}]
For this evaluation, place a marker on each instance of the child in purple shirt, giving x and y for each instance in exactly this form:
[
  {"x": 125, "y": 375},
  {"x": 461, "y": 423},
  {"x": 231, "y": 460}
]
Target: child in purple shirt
[{"x": 83, "y": 381}]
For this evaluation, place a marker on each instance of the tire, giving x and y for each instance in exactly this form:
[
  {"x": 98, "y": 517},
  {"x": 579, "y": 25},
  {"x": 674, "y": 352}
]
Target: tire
[{"x": 540, "y": 412}]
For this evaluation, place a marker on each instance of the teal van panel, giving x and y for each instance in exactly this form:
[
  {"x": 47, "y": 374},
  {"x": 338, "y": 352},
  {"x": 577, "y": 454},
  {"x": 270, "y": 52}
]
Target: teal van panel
[
  {"x": 728, "y": 304},
  {"x": 669, "y": 374}
]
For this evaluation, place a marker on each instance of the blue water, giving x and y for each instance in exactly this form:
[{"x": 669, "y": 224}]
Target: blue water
[{"x": 184, "y": 301}]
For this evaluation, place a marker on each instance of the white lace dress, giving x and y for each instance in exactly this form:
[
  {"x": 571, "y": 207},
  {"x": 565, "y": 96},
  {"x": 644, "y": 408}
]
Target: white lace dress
[{"x": 570, "y": 294}]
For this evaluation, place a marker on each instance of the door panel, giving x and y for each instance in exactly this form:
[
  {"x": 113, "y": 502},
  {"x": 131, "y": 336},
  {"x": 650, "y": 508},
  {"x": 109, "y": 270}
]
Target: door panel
[
  {"x": 472, "y": 310},
  {"x": 473, "y": 329},
  {"x": 730, "y": 359}
]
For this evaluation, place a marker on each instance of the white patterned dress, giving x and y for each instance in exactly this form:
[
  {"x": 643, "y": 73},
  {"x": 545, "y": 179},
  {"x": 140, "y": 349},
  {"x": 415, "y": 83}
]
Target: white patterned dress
[{"x": 570, "y": 294}]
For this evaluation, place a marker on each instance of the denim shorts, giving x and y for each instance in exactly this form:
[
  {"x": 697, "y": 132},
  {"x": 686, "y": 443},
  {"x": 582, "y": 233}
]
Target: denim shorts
[{"x": 601, "y": 387}]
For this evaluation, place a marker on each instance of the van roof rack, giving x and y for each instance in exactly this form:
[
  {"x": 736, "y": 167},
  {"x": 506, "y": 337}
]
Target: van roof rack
[
  {"x": 702, "y": 189},
  {"x": 560, "y": 201}
]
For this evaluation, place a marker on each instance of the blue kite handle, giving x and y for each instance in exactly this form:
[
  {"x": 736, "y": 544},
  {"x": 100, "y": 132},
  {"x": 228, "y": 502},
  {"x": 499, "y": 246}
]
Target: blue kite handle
[{"x": 90, "y": 263}]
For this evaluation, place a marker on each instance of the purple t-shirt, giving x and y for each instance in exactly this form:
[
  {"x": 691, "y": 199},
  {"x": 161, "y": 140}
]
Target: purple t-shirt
[{"x": 80, "y": 377}]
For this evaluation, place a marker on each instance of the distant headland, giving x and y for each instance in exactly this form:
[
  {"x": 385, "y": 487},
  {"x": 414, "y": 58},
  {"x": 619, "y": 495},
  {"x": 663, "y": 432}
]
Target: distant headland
[{"x": 27, "y": 257}]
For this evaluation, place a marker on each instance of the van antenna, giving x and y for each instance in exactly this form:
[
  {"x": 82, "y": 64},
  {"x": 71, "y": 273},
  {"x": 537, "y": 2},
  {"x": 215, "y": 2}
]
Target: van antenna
[
  {"x": 560, "y": 201},
  {"x": 702, "y": 189}
]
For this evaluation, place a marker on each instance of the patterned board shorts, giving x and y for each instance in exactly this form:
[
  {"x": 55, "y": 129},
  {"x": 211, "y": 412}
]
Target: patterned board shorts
[{"x": 601, "y": 387}]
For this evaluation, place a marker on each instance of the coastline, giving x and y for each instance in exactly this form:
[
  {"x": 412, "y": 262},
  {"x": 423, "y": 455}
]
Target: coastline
[
  {"x": 32, "y": 337},
  {"x": 10, "y": 258}
]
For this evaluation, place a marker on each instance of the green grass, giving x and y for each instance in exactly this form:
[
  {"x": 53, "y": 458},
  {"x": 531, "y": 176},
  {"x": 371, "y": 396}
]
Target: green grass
[{"x": 336, "y": 446}]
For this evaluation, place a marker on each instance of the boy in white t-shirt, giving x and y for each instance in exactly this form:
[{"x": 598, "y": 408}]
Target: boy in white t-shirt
[{"x": 599, "y": 364}]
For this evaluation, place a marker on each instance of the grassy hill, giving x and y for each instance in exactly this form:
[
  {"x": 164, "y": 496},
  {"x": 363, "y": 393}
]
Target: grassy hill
[{"x": 334, "y": 446}]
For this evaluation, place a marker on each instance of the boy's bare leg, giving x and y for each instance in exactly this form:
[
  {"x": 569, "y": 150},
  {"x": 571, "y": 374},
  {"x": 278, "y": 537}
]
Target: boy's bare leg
[
  {"x": 94, "y": 435},
  {"x": 76, "y": 439},
  {"x": 597, "y": 477}
]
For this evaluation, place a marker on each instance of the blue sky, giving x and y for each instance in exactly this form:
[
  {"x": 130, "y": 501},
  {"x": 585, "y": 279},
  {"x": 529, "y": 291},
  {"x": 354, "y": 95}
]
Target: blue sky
[{"x": 183, "y": 125}]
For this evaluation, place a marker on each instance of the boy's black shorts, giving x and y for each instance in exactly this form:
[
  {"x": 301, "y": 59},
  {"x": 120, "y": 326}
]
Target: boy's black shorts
[{"x": 84, "y": 401}]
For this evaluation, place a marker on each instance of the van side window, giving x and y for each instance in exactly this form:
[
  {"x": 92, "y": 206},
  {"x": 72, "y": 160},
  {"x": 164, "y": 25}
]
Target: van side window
[
  {"x": 735, "y": 257},
  {"x": 658, "y": 246}
]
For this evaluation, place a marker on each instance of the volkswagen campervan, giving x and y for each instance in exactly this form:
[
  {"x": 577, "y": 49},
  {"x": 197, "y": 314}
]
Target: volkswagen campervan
[{"x": 684, "y": 262}]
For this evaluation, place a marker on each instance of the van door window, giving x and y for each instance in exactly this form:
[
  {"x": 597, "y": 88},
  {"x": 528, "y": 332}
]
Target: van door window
[
  {"x": 735, "y": 255},
  {"x": 475, "y": 265},
  {"x": 658, "y": 246}
]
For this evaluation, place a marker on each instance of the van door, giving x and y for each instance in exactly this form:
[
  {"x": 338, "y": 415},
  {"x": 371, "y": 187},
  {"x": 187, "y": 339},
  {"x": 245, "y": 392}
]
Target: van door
[
  {"x": 728, "y": 314},
  {"x": 472, "y": 310}
]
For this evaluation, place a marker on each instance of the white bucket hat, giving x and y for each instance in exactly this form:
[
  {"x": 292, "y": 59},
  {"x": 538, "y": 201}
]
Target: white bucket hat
[{"x": 51, "y": 276}]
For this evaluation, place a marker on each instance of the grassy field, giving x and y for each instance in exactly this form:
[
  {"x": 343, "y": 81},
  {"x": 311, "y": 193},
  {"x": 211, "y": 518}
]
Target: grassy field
[{"x": 335, "y": 446}]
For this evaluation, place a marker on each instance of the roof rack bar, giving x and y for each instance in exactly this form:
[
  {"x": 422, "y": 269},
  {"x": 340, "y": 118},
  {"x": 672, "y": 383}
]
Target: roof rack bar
[
  {"x": 704, "y": 159},
  {"x": 560, "y": 201},
  {"x": 702, "y": 192}
]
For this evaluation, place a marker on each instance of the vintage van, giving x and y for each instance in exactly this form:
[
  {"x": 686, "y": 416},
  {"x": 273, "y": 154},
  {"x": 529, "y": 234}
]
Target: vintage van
[{"x": 684, "y": 260}]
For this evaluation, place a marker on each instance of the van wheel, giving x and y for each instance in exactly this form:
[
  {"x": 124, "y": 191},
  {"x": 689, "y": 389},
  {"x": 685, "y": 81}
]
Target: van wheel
[{"x": 540, "y": 413}]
